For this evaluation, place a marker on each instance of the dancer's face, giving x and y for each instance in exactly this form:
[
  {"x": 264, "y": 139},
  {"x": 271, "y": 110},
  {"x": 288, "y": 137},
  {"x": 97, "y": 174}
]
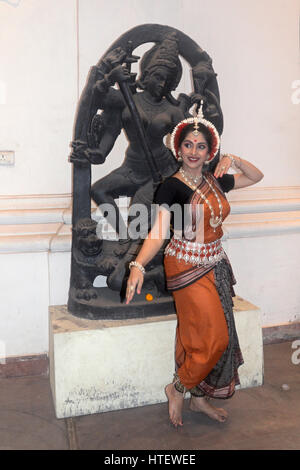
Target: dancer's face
[{"x": 194, "y": 151}]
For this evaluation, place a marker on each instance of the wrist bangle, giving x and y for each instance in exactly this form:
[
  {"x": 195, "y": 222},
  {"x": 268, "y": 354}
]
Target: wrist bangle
[
  {"x": 137, "y": 265},
  {"x": 233, "y": 161}
]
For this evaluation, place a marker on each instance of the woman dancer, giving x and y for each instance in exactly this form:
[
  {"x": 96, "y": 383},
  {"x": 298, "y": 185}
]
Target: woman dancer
[{"x": 198, "y": 272}]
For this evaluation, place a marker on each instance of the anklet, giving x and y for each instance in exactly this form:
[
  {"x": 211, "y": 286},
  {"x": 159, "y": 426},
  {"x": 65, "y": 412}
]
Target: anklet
[{"x": 178, "y": 385}]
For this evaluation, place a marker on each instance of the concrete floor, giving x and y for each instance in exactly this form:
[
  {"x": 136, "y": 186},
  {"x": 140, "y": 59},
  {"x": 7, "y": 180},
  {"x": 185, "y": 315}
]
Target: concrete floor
[{"x": 264, "y": 417}]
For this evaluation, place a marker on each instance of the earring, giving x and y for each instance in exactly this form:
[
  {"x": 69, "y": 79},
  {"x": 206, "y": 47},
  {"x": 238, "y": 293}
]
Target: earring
[{"x": 179, "y": 156}]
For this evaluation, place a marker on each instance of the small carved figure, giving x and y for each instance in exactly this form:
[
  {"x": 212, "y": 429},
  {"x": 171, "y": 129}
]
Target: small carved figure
[{"x": 87, "y": 246}]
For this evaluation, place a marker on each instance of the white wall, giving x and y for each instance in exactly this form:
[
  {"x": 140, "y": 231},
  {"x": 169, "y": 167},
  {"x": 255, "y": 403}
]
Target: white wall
[
  {"x": 254, "y": 46},
  {"x": 46, "y": 50},
  {"x": 24, "y": 300},
  {"x": 255, "y": 50},
  {"x": 267, "y": 270},
  {"x": 38, "y": 50}
]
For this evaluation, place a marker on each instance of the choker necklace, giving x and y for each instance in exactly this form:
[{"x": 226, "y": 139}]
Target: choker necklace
[
  {"x": 189, "y": 178},
  {"x": 214, "y": 221}
]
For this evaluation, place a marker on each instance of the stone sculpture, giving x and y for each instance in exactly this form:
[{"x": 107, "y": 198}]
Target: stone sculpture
[{"x": 145, "y": 108}]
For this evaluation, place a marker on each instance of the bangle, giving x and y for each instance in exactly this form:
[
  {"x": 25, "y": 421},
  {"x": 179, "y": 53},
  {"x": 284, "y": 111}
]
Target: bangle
[
  {"x": 137, "y": 265},
  {"x": 233, "y": 162}
]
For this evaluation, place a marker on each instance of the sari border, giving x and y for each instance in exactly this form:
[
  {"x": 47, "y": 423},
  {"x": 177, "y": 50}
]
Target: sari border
[
  {"x": 187, "y": 278},
  {"x": 228, "y": 390}
]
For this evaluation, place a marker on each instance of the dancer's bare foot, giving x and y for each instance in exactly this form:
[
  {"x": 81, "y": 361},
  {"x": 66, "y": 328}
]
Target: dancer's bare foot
[
  {"x": 201, "y": 404},
  {"x": 175, "y": 404}
]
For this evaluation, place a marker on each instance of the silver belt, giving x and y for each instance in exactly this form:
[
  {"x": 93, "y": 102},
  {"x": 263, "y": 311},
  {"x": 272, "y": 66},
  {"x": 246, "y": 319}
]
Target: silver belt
[{"x": 200, "y": 254}]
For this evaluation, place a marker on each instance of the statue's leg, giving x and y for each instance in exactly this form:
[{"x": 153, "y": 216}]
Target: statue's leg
[
  {"x": 106, "y": 190},
  {"x": 138, "y": 223},
  {"x": 143, "y": 196}
]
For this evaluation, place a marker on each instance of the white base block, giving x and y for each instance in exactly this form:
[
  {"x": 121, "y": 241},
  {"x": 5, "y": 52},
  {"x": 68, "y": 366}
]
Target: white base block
[{"x": 103, "y": 365}]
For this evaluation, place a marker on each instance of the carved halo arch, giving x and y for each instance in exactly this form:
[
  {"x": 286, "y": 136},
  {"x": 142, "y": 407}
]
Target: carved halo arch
[{"x": 155, "y": 33}]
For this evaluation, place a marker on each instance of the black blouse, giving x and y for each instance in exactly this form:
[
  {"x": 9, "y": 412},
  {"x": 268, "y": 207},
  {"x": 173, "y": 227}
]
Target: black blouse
[{"x": 172, "y": 191}]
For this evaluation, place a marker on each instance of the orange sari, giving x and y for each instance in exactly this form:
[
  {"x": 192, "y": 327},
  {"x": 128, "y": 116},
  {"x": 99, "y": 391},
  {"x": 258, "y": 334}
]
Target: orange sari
[{"x": 207, "y": 353}]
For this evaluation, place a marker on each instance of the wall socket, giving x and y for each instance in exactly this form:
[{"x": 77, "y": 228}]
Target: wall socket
[{"x": 7, "y": 157}]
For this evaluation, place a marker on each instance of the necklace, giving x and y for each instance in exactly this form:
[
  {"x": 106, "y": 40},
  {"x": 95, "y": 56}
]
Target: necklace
[
  {"x": 162, "y": 102},
  {"x": 214, "y": 221},
  {"x": 194, "y": 179}
]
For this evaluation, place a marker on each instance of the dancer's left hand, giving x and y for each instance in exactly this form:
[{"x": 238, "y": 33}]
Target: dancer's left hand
[
  {"x": 134, "y": 283},
  {"x": 222, "y": 167}
]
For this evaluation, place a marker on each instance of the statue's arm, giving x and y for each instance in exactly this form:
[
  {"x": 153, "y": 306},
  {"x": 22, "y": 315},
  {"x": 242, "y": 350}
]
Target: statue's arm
[
  {"x": 110, "y": 71},
  {"x": 98, "y": 94},
  {"x": 107, "y": 132},
  {"x": 206, "y": 90},
  {"x": 107, "y": 97},
  {"x": 179, "y": 113},
  {"x": 184, "y": 104}
]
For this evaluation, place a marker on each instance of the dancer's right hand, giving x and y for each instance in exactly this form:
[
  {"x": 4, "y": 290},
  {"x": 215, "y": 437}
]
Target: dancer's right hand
[{"x": 135, "y": 282}]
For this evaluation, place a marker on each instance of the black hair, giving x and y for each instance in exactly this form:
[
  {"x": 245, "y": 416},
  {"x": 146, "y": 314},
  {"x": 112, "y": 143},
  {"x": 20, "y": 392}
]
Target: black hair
[{"x": 201, "y": 128}]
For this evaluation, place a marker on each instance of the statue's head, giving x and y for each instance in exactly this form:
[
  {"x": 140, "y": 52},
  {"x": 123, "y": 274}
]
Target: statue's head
[{"x": 161, "y": 68}]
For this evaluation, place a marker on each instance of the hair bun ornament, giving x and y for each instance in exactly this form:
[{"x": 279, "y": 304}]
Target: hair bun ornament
[{"x": 196, "y": 120}]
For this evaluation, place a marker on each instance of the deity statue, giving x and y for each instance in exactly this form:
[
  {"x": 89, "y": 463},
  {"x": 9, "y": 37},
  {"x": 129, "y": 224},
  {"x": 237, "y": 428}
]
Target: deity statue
[{"x": 146, "y": 110}]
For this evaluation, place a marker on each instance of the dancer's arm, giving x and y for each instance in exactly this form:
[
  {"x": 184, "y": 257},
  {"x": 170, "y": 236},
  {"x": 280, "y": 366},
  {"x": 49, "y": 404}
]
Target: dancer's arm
[
  {"x": 150, "y": 247},
  {"x": 249, "y": 173}
]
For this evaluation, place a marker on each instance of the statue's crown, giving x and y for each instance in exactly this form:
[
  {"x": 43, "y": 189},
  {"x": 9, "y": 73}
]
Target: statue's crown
[{"x": 166, "y": 53}]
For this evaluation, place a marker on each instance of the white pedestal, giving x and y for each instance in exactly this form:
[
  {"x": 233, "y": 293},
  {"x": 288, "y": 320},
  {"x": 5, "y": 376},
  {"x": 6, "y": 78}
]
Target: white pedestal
[{"x": 102, "y": 365}]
